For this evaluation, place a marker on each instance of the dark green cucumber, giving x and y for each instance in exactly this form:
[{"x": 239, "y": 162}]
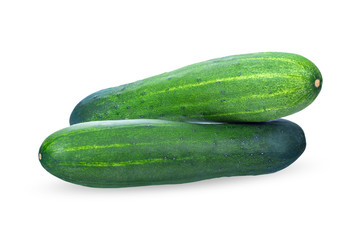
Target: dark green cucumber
[
  {"x": 127, "y": 153},
  {"x": 242, "y": 88}
]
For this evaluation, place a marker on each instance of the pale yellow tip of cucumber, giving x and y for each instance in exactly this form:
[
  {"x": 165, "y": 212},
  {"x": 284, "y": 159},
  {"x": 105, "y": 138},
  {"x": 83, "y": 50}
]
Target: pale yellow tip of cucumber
[
  {"x": 317, "y": 83},
  {"x": 39, "y": 156}
]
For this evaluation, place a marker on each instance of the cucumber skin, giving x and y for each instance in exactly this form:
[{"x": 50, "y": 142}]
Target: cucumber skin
[
  {"x": 127, "y": 153},
  {"x": 242, "y": 88}
]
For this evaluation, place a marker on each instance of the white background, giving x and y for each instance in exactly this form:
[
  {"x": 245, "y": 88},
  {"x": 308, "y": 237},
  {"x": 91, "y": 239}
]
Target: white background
[{"x": 54, "y": 53}]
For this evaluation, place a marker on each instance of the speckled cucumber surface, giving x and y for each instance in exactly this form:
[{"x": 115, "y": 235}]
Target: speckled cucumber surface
[
  {"x": 241, "y": 88},
  {"x": 128, "y": 153}
]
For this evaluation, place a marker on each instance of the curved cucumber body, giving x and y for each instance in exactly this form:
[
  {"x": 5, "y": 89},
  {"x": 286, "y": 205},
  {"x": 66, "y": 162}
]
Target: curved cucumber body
[
  {"x": 145, "y": 152},
  {"x": 242, "y": 88}
]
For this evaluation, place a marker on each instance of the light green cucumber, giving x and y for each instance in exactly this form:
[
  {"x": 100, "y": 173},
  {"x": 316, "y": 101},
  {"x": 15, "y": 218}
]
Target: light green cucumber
[{"x": 242, "y": 88}]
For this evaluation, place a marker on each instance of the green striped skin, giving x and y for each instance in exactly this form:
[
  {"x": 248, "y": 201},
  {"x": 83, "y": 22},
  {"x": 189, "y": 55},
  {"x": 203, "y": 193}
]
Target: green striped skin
[
  {"x": 242, "y": 88},
  {"x": 139, "y": 152}
]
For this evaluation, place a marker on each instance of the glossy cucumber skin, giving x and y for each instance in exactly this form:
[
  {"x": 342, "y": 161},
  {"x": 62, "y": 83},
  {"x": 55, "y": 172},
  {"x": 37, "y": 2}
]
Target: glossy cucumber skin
[
  {"x": 242, "y": 88},
  {"x": 127, "y": 153}
]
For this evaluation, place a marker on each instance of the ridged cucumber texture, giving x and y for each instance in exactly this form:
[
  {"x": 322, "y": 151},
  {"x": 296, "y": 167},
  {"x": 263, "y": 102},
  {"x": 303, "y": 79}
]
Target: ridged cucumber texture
[
  {"x": 242, "y": 88},
  {"x": 128, "y": 153}
]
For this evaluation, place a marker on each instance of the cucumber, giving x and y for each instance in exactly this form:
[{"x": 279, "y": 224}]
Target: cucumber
[
  {"x": 126, "y": 153},
  {"x": 242, "y": 88}
]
